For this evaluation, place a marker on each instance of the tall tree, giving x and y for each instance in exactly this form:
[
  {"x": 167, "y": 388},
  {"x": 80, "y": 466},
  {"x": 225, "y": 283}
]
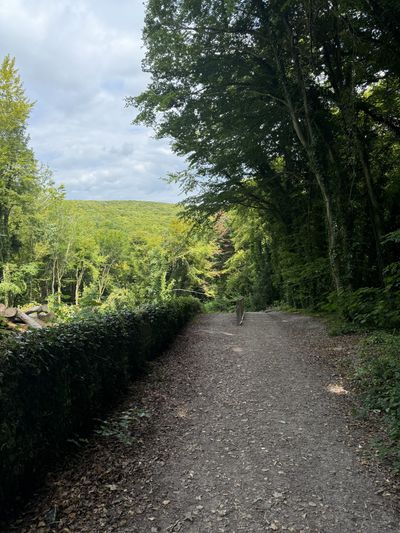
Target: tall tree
[{"x": 18, "y": 168}]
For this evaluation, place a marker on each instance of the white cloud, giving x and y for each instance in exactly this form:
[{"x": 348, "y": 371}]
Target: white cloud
[{"x": 79, "y": 60}]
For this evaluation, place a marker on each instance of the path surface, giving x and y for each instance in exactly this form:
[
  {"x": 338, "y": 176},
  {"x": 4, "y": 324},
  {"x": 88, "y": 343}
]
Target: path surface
[{"x": 245, "y": 434}]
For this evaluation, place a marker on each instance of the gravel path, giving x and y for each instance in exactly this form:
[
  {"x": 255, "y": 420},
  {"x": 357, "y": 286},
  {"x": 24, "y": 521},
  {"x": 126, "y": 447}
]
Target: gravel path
[{"x": 246, "y": 431}]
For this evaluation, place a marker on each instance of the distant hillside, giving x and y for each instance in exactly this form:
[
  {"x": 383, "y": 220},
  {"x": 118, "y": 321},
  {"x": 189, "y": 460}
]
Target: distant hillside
[{"x": 144, "y": 220}]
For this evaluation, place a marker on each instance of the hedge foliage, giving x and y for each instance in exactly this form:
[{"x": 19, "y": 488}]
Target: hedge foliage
[{"x": 53, "y": 382}]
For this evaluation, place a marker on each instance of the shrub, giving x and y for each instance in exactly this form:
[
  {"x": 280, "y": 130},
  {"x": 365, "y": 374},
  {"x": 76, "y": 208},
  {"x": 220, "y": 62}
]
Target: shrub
[
  {"x": 54, "y": 381},
  {"x": 220, "y": 304},
  {"x": 368, "y": 307},
  {"x": 378, "y": 376}
]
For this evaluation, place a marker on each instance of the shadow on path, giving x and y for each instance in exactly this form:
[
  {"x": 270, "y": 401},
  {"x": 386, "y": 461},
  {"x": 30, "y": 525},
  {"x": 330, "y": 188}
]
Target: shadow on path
[{"x": 246, "y": 433}]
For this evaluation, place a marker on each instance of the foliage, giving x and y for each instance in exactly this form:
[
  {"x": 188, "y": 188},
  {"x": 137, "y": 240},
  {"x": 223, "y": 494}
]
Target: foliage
[
  {"x": 120, "y": 428},
  {"x": 54, "y": 381},
  {"x": 289, "y": 112},
  {"x": 378, "y": 376},
  {"x": 103, "y": 254},
  {"x": 370, "y": 307},
  {"x": 19, "y": 172},
  {"x": 4, "y": 331},
  {"x": 142, "y": 221},
  {"x": 76, "y": 254},
  {"x": 15, "y": 279},
  {"x": 245, "y": 271}
]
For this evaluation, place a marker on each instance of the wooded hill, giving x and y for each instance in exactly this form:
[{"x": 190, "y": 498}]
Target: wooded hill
[
  {"x": 148, "y": 221},
  {"x": 109, "y": 254}
]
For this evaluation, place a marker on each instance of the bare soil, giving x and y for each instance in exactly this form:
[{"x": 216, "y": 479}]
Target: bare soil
[{"x": 235, "y": 429}]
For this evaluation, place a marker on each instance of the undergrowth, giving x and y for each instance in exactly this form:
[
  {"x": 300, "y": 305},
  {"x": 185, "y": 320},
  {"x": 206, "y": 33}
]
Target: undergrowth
[{"x": 377, "y": 376}]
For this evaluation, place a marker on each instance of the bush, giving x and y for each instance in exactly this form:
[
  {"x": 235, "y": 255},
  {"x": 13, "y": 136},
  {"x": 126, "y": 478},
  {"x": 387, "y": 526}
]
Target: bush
[
  {"x": 221, "y": 304},
  {"x": 54, "y": 381},
  {"x": 378, "y": 376},
  {"x": 4, "y": 331},
  {"x": 368, "y": 307}
]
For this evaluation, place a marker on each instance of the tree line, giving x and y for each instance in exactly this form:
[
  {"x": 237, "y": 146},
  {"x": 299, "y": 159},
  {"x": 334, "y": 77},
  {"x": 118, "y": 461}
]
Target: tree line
[{"x": 289, "y": 114}]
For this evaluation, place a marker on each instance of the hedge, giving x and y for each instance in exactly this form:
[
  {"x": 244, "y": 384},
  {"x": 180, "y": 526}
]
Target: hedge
[{"x": 54, "y": 381}]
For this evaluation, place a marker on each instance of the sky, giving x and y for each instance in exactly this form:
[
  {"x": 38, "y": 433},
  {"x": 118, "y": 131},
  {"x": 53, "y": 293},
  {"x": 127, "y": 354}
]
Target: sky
[{"x": 78, "y": 60}]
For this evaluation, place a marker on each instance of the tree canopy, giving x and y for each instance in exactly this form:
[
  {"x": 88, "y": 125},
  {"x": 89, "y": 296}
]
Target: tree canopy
[{"x": 289, "y": 109}]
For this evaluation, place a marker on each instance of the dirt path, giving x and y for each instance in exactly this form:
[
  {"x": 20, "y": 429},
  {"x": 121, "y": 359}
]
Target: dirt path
[{"x": 241, "y": 430}]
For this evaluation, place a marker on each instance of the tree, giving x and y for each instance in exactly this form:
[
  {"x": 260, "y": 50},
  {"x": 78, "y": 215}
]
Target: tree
[
  {"x": 283, "y": 107},
  {"x": 187, "y": 259},
  {"x": 18, "y": 168}
]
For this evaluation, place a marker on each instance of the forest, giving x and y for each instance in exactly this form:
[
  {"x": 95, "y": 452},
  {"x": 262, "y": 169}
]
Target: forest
[
  {"x": 288, "y": 115},
  {"x": 82, "y": 255},
  {"x": 85, "y": 256}
]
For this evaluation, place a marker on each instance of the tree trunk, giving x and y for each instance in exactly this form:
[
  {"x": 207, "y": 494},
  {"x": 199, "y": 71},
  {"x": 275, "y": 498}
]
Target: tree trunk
[
  {"x": 78, "y": 277},
  {"x": 29, "y": 321},
  {"x": 37, "y": 309},
  {"x": 374, "y": 206},
  {"x": 308, "y": 144},
  {"x": 53, "y": 277},
  {"x": 4, "y": 236},
  {"x": 59, "y": 284},
  {"x": 8, "y": 312}
]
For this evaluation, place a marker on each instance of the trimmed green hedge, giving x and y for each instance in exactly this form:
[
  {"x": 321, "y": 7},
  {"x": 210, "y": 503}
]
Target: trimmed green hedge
[{"x": 53, "y": 382}]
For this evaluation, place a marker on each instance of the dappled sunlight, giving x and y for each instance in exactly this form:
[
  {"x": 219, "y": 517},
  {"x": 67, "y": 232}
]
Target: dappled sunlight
[
  {"x": 337, "y": 388},
  {"x": 182, "y": 411},
  {"x": 237, "y": 349},
  {"x": 212, "y": 331}
]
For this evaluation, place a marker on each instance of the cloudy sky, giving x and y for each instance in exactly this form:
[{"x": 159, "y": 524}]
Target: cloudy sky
[{"x": 78, "y": 59}]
